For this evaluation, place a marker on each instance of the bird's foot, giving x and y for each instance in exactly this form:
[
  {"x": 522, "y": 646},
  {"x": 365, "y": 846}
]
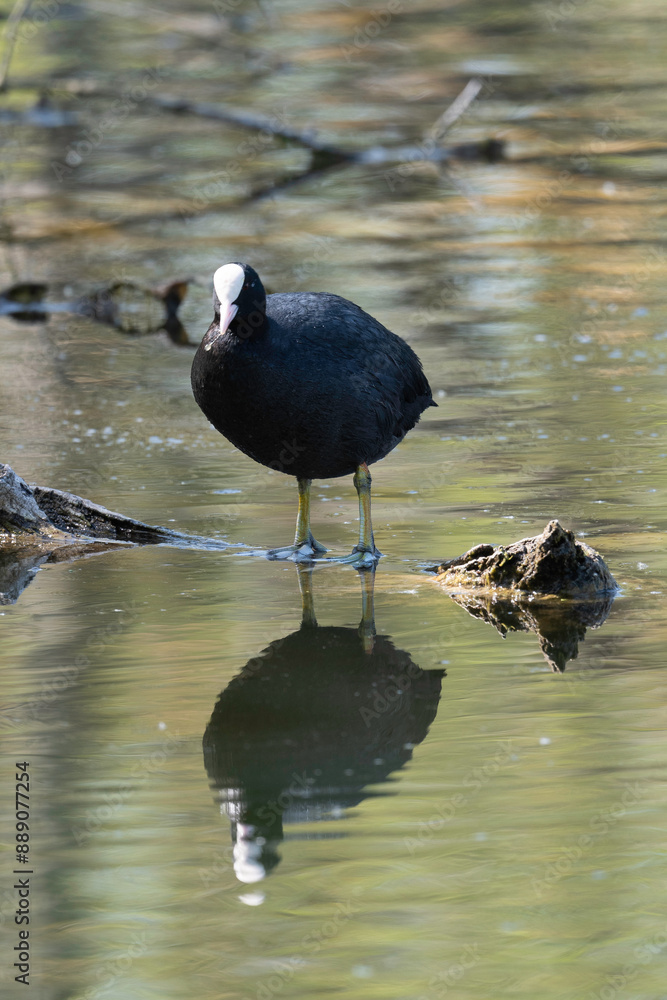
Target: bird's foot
[
  {"x": 306, "y": 551},
  {"x": 360, "y": 558}
]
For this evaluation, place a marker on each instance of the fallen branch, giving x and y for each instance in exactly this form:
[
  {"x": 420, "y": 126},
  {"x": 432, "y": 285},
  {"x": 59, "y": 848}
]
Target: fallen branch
[
  {"x": 39, "y": 524},
  {"x": 327, "y": 155},
  {"x": 254, "y": 123},
  {"x": 324, "y": 155},
  {"x": 38, "y": 513},
  {"x": 19, "y": 10},
  {"x": 458, "y": 107}
]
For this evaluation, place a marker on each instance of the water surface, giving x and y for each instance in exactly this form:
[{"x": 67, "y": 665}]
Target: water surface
[{"x": 509, "y": 842}]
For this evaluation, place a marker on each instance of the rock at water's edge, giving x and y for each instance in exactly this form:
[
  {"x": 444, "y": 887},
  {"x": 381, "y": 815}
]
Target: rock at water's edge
[{"x": 554, "y": 562}]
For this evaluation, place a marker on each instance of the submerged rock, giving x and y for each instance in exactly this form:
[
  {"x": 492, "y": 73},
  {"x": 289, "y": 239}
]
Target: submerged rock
[{"x": 554, "y": 562}]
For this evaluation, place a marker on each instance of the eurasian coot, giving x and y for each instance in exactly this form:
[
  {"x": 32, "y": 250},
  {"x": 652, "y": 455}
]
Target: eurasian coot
[{"x": 308, "y": 384}]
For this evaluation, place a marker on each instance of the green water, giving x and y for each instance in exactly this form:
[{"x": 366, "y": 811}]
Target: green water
[{"x": 511, "y": 841}]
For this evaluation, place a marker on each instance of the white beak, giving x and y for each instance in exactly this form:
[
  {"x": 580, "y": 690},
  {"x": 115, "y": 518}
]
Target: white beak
[
  {"x": 227, "y": 314},
  {"x": 228, "y": 282}
]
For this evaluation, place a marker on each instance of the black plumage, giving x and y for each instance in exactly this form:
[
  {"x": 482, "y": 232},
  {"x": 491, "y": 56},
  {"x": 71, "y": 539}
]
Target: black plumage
[{"x": 305, "y": 383}]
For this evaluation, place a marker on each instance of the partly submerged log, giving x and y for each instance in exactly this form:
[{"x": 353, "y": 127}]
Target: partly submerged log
[
  {"x": 20, "y": 513},
  {"x": 39, "y": 525},
  {"x": 36, "y": 513},
  {"x": 554, "y": 562},
  {"x": 551, "y": 584}
]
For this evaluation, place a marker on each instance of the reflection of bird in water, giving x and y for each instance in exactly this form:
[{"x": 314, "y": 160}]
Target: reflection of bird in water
[
  {"x": 308, "y": 384},
  {"x": 308, "y": 724}
]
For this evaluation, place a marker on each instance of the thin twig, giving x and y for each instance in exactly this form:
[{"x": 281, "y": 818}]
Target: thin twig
[
  {"x": 458, "y": 107},
  {"x": 19, "y": 11},
  {"x": 272, "y": 125}
]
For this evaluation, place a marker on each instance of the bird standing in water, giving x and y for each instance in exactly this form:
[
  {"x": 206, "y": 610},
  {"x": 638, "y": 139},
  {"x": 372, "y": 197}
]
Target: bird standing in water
[{"x": 309, "y": 384}]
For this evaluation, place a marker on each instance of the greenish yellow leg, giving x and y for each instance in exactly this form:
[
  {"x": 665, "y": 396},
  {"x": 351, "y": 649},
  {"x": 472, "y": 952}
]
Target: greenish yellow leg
[
  {"x": 303, "y": 535},
  {"x": 303, "y": 515},
  {"x": 364, "y": 555},
  {"x": 305, "y": 577},
  {"x": 366, "y": 628},
  {"x": 362, "y": 484},
  {"x": 367, "y": 623},
  {"x": 305, "y": 547}
]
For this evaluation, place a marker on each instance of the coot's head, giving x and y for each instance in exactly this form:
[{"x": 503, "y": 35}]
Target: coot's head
[{"x": 239, "y": 300}]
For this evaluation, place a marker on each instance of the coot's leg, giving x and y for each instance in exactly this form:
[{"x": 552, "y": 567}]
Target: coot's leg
[
  {"x": 305, "y": 578},
  {"x": 364, "y": 554},
  {"x": 303, "y": 535},
  {"x": 305, "y": 547},
  {"x": 367, "y": 623}
]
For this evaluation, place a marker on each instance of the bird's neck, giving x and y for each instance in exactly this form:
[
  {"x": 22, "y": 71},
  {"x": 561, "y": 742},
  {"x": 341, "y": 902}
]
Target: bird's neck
[{"x": 250, "y": 320}]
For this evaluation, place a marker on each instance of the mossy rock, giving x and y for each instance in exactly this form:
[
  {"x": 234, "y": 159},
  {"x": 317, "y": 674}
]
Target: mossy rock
[{"x": 554, "y": 562}]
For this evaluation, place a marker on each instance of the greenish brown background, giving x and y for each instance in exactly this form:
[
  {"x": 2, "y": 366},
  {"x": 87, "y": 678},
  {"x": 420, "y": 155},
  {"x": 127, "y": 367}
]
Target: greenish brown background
[{"x": 534, "y": 292}]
